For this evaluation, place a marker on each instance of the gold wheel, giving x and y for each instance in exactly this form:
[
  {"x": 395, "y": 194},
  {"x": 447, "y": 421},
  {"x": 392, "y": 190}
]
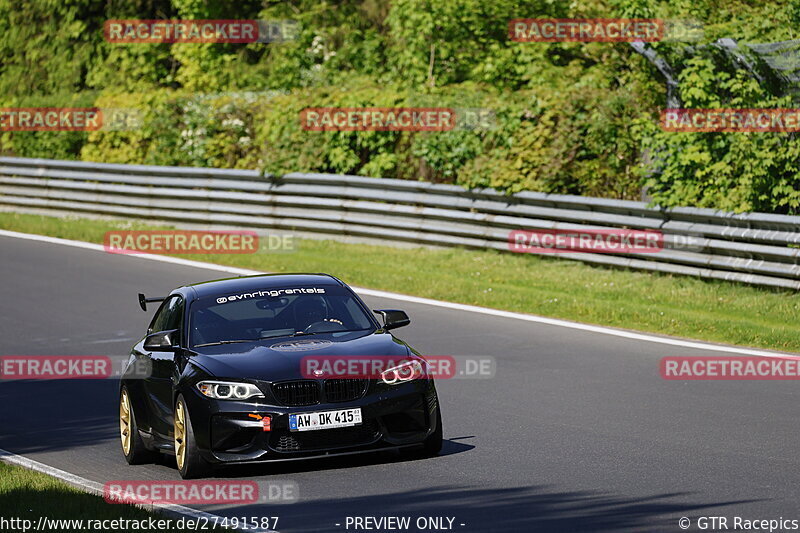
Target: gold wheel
[
  {"x": 125, "y": 422},
  {"x": 180, "y": 434}
]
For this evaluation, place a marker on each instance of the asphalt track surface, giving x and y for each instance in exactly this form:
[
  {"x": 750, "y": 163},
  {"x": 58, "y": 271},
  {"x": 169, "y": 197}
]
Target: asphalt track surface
[{"x": 576, "y": 432}]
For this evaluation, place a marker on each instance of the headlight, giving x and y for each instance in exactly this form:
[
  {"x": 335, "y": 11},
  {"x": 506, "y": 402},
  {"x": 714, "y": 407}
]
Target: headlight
[
  {"x": 229, "y": 390},
  {"x": 403, "y": 373}
]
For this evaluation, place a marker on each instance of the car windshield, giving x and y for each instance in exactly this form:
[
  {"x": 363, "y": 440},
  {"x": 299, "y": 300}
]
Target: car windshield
[{"x": 270, "y": 313}]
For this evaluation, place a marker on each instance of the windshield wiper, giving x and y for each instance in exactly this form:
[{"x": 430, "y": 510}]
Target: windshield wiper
[
  {"x": 224, "y": 342},
  {"x": 297, "y": 334},
  {"x": 304, "y": 333}
]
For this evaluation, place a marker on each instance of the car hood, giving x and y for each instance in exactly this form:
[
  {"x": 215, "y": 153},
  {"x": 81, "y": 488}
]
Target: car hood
[{"x": 280, "y": 359}]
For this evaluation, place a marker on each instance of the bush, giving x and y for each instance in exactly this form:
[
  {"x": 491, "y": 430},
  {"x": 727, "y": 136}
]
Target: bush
[
  {"x": 729, "y": 171},
  {"x": 577, "y": 118}
]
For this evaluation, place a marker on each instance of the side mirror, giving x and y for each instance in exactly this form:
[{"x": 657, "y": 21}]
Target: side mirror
[
  {"x": 393, "y": 318},
  {"x": 162, "y": 341}
]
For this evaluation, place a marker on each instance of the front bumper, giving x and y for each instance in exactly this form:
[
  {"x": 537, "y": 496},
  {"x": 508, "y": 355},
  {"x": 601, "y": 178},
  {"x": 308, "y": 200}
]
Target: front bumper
[{"x": 393, "y": 416}]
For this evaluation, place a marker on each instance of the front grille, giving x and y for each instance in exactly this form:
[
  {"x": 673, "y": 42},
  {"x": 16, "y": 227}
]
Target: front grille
[
  {"x": 344, "y": 390},
  {"x": 366, "y": 433},
  {"x": 307, "y": 392},
  {"x": 296, "y": 393},
  {"x": 287, "y": 443}
]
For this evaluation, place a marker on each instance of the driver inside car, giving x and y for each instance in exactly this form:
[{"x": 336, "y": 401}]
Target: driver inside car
[{"x": 312, "y": 309}]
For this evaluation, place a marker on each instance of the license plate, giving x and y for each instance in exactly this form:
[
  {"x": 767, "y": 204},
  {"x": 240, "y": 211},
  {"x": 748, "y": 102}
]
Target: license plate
[{"x": 325, "y": 420}]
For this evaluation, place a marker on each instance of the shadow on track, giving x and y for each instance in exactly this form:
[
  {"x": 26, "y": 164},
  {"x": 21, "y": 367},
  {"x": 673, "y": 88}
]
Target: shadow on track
[
  {"x": 53, "y": 415},
  {"x": 534, "y": 508},
  {"x": 319, "y": 464}
]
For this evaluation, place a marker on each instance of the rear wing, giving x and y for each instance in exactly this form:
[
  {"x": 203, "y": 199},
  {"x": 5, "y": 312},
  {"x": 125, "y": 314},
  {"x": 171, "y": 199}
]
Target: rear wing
[{"x": 144, "y": 301}]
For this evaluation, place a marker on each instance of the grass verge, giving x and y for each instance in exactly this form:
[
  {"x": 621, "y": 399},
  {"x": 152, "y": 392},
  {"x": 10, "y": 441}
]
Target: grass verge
[
  {"x": 25, "y": 496},
  {"x": 707, "y": 310}
]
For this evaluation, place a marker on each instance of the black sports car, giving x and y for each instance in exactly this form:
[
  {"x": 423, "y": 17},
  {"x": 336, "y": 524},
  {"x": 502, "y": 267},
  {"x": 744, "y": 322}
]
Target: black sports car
[{"x": 220, "y": 377}]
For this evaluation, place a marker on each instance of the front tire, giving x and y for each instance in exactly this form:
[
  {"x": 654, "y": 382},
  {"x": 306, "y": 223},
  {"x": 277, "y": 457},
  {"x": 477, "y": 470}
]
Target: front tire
[
  {"x": 133, "y": 448},
  {"x": 433, "y": 444},
  {"x": 190, "y": 464}
]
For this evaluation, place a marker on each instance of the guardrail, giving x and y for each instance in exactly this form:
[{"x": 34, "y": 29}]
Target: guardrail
[{"x": 754, "y": 248}]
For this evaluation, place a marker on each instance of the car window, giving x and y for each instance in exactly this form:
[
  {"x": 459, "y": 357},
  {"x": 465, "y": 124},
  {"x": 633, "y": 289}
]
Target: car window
[
  {"x": 251, "y": 316},
  {"x": 169, "y": 315}
]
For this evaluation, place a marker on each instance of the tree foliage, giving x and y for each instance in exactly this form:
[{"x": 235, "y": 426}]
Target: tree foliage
[{"x": 577, "y": 118}]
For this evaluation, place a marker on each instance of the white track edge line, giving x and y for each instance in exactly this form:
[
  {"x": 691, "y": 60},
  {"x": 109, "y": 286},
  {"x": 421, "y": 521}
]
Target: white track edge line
[
  {"x": 93, "y": 487},
  {"x": 427, "y": 301}
]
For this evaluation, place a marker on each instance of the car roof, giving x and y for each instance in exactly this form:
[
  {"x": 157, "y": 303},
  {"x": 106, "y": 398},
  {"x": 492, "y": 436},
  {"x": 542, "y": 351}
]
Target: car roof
[{"x": 260, "y": 282}]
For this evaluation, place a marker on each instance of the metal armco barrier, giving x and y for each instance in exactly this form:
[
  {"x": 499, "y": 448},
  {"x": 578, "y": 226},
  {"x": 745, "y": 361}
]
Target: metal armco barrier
[{"x": 754, "y": 248}]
